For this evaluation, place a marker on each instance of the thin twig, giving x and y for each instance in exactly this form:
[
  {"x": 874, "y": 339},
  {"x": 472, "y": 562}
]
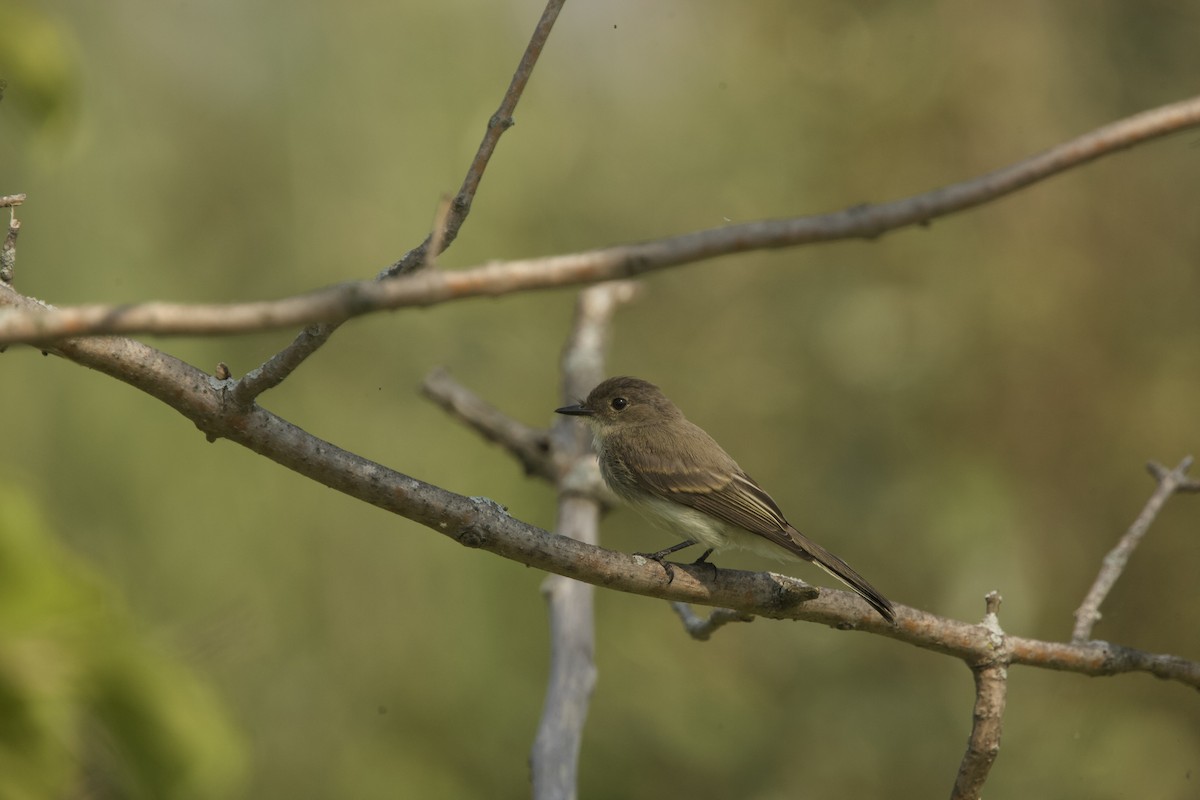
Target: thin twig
[
  {"x": 554, "y": 760},
  {"x": 991, "y": 689},
  {"x": 499, "y": 122},
  {"x": 320, "y": 328},
  {"x": 338, "y": 303},
  {"x": 530, "y": 446},
  {"x": 702, "y": 628},
  {"x": 1169, "y": 482}
]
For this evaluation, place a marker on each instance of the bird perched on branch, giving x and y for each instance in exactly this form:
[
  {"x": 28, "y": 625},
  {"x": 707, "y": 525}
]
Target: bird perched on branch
[{"x": 674, "y": 473}]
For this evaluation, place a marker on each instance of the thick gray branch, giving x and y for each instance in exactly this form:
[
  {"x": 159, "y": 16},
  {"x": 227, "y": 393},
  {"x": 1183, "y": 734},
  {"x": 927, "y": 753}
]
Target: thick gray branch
[{"x": 555, "y": 758}]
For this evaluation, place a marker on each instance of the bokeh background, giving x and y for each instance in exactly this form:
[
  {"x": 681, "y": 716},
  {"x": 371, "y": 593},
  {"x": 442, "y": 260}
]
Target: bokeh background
[{"x": 954, "y": 409}]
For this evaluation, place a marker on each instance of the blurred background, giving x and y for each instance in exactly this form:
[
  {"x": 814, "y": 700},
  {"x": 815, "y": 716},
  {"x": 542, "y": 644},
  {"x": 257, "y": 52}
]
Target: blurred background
[{"x": 955, "y": 409}]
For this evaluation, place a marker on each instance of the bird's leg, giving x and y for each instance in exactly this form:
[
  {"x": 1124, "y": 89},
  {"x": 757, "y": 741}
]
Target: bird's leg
[{"x": 661, "y": 556}]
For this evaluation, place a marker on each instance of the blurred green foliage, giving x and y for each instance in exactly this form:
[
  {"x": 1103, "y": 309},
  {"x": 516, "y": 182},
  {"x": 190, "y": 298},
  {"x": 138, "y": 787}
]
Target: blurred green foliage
[
  {"x": 87, "y": 707},
  {"x": 36, "y": 54},
  {"x": 953, "y": 409}
]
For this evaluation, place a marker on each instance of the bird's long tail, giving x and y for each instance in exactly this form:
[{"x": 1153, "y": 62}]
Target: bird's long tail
[{"x": 811, "y": 551}]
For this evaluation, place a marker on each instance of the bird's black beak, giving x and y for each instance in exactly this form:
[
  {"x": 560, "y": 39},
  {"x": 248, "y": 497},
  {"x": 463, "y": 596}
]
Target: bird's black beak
[{"x": 577, "y": 410}]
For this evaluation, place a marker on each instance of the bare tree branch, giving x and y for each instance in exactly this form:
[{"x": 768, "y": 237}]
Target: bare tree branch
[
  {"x": 474, "y": 522},
  {"x": 338, "y": 303},
  {"x": 8, "y": 250},
  {"x": 702, "y": 628},
  {"x": 499, "y": 122},
  {"x": 991, "y": 689},
  {"x": 530, "y": 446},
  {"x": 477, "y": 523},
  {"x": 1169, "y": 482},
  {"x": 1161, "y": 473},
  {"x": 223, "y": 408},
  {"x": 447, "y": 224},
  {"x": 554, "y": 760}
]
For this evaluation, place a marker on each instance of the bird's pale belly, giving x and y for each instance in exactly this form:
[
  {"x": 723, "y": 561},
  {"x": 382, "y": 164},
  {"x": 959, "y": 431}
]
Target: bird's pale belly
[{"x": 708, "y": 531}]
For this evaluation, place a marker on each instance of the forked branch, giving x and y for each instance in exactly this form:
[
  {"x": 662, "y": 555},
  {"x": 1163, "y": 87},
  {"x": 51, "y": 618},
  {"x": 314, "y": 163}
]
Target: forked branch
[{"x": 991, "y": 690}]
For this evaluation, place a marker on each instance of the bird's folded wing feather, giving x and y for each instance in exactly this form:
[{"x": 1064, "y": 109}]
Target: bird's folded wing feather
[
  {"x": 733, "y": 498},
  {"x": 701, "y": 475}
]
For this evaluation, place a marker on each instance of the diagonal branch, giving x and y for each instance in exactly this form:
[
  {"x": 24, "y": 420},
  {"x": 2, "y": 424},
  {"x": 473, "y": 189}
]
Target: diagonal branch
[
  {"x": 339, "y": 303},
  {"x": 499, "y": 122},
  {"x": 530, "y": 446},
  {"x": 446, "y": 226},
  {"x": 1169, "y": 482},
  {"x": 478, "y": 523}
]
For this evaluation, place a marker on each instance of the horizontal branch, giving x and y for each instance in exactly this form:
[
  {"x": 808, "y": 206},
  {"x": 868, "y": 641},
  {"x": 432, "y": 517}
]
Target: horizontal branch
[
  {"x": 1100, "y": 659},
  {"x": 341, "y": 302}
]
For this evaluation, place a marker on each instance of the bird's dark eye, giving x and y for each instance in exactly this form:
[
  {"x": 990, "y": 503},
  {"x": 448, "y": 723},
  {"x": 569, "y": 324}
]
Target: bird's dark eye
[{"x": 619, "y": 403}]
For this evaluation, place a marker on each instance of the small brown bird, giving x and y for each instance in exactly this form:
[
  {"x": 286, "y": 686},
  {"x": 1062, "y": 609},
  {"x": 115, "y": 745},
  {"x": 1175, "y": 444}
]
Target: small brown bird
[{"x": 675, "y": 474}]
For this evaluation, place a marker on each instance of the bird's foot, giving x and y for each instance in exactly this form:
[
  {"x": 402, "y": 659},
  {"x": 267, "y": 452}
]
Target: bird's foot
[{"x": 661, "y": 558}]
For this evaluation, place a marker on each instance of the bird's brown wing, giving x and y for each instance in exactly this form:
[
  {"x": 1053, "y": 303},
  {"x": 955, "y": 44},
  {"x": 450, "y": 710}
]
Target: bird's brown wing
[
  {"x": 741, "y": 502},
  {"x": 732, "y": 496},
  {"x": 709, "y": 480}
]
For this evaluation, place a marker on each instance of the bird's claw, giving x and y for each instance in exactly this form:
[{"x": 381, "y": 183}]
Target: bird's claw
[{"x": 660, "y": 558}]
